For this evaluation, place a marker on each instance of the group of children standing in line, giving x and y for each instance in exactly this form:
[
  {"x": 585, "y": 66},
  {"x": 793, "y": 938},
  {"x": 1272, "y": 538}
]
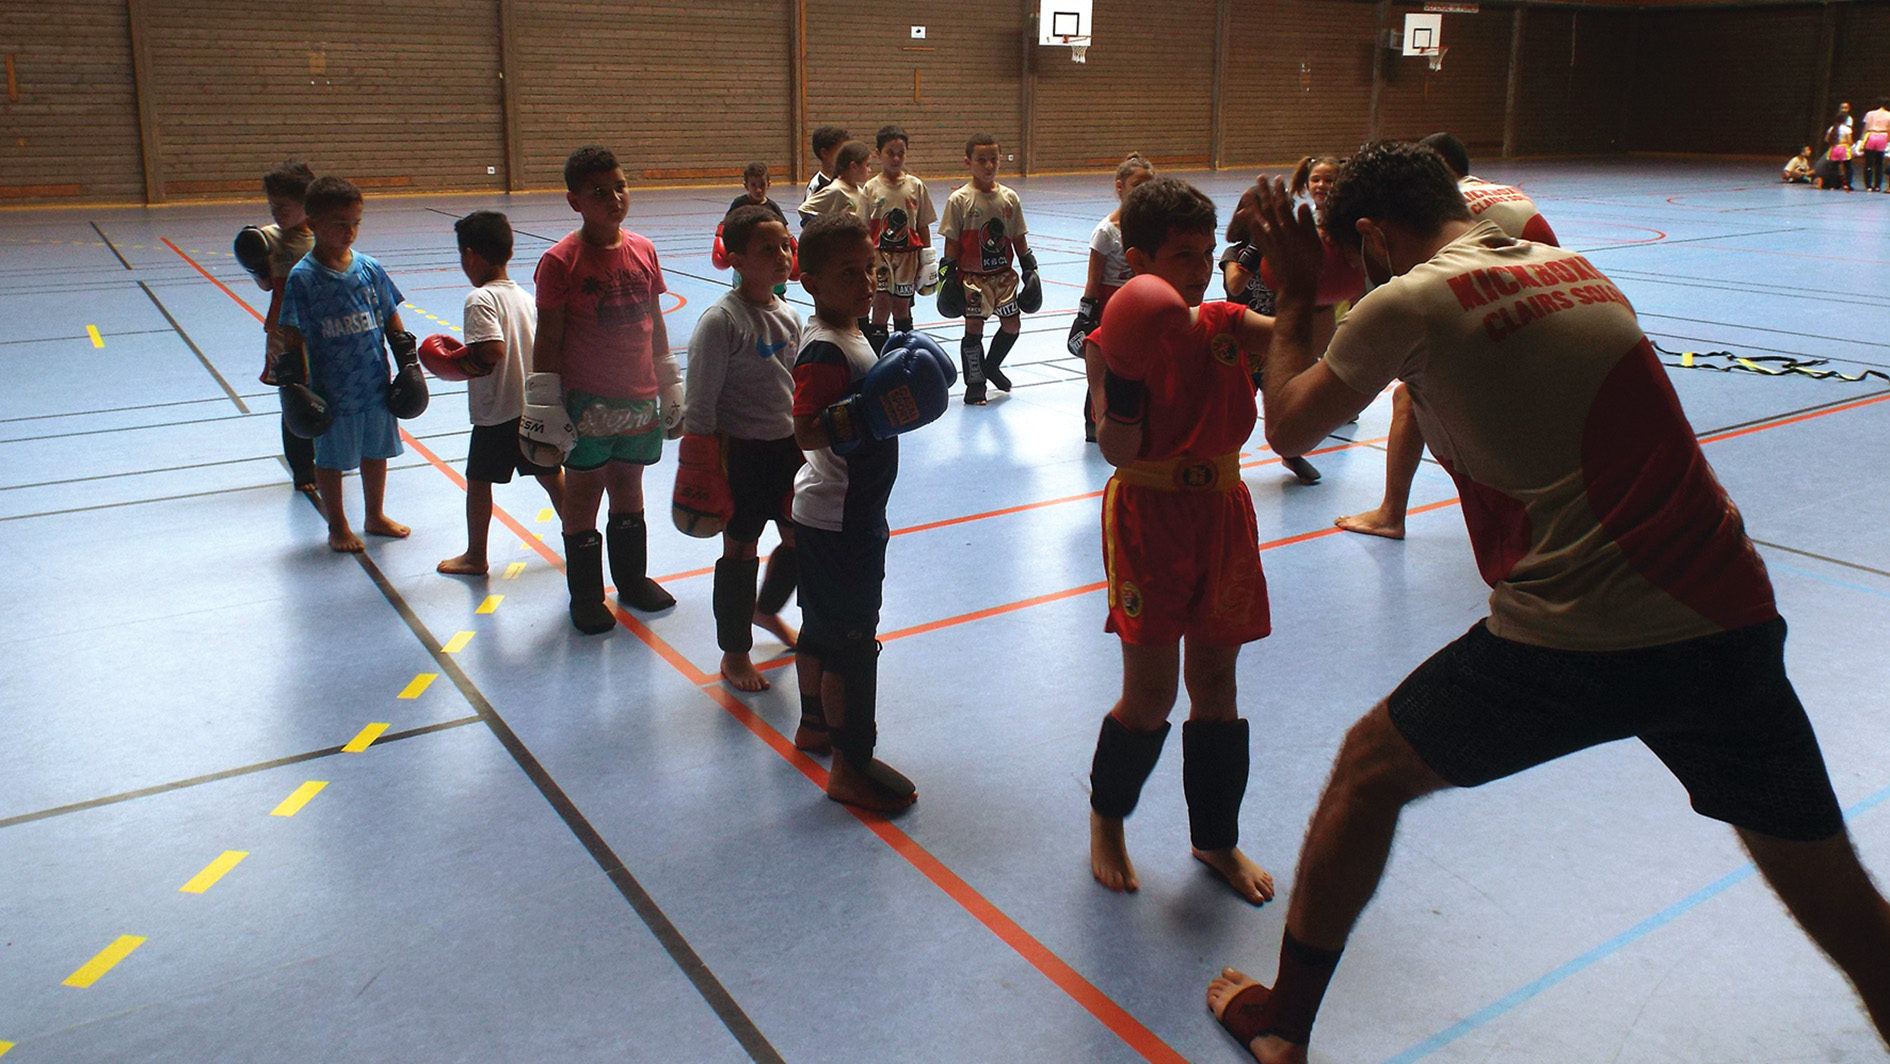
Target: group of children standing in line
[{"x": 1843, "y": 145}]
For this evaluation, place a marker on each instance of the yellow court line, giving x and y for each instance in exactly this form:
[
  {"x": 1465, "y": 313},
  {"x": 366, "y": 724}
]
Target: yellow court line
[
  {"x": 4, "y": 1046},
  {"x": 364, "y": 739},
  {"x": 293, "y": 803},
  {"x": 512, "y": 570},
  {"x": 491, "y": 603},
  {"x": 457, "y": 643},
  {"x": 213, "y": 871},
  {"x": 418, "y": 684},
  {"x": 97, "y": 340},
  {"x": 547, "y": 514},
  {"x": 107, "y": 958}
]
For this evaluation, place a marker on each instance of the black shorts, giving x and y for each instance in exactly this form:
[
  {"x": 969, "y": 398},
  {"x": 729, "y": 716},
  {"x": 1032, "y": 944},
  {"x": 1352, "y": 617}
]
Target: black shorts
[
  {"x": 1718, "y": 710},
  {"x": 842, "y": 577},
  {"x": 761, "y": 479},
  {"x": 494, "y": 453}
]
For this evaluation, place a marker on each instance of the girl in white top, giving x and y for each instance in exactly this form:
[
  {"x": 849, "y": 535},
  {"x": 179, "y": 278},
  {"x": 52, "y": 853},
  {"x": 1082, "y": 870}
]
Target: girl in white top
[
  {"x": 1108, "y": 269},
  {"x": 1875, "y": 140}
]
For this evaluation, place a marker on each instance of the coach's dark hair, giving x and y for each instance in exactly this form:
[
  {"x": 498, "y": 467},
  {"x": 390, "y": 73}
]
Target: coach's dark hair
[
  {"x": 588, "y": 160},
  {"x": 1456, "y": 155},
  {"x": 738, "y": 226},
  {"x": 825, "y": 237},
  {"x": 1163, "y": 206},
  {"x": 1393, "y": 181},
  {"x": 851, "y": 152},
  {"x": 828, "y": 137},
  {"x": 977, "y": 140},
  {"x": 291, "y": 177},
  {"x": 890, "y": 132},
  {"x": 329, "y": 193},
  {"x": 488, "y": 234}
]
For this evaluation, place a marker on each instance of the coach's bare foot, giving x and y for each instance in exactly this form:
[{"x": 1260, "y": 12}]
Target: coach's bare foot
[
  {"x": 1109, "y": 855},
  {"x": 1249, "y": 880},
  {"x": 382, "y": 526},
  {"x": 344, "y": 541},
  {"x": 741, "y": 673},
  {"x": 775, "y": 626},
  {"x": 1265, "y": 1048},
  {"x": 463, "y": 565},
  {"x": 878, "y": 787},
  {"x": 1373, "y": 523}
]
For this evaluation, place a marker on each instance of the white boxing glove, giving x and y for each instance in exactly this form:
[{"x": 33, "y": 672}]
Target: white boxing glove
[
  {"x": 545, "y": 432},
  {"x": 928, "y": 272},
  {"x": 670, "y": 393}
]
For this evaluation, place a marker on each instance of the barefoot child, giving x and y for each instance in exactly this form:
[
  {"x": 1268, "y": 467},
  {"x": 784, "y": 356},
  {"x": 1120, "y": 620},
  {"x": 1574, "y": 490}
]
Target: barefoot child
[
  {"x": 1108, "y": 270},
  {"x": 983, "y": 227},
  {"x": 339, "y": 310},
  {"x": 1180, "y": 544},
  {"x": 741, "y": 389},
  {"x": 501, "y": 320}
]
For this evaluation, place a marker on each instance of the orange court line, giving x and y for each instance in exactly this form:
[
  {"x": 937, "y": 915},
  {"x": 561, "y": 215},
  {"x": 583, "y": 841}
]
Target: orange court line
[{"x": 240, "y": 301}]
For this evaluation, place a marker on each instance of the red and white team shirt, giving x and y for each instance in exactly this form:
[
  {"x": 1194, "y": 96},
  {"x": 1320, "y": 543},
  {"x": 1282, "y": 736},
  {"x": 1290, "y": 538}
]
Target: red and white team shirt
[
  {"x": 896, "y": 210},
  {"x": 1594, "y": 515},
  {"x": 1506, "y": 205},
  {"x": 979, "y": 227}
]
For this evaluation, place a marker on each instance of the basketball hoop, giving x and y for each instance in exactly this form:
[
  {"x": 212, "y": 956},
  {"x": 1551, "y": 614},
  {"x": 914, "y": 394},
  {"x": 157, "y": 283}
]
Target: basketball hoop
[
  {"x": 1079, "y": 47},
  {"x": 1435, "y": 56}
]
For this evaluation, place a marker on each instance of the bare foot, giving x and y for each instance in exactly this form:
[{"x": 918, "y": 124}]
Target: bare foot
[
  {"x": 1301, "y": 468},
  {"x": 878, "y": 787},
  {"x": 344, "y": 541},
  {"x": 1249, "y": 880},
  {"x": 775, "y": 626},
  {"x": 463, "y": 565},
  {"x": 811, "y": 736},
  {"x": 1109, "y": 855},
  {"x": 741, "y": 673},
  {"x": 1265, "y": 1048},
  {"x": 381, "y": 526},
  {"x": 1373, "y": 523}
]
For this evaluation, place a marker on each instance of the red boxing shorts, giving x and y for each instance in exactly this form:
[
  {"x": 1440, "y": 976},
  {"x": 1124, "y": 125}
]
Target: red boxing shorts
[{"x": 1182, "y": 552}]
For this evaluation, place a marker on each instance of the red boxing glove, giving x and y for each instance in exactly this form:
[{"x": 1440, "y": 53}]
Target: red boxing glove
[
  {"x": 450, "y": 360},
  {"x": 719, "y": 255},
  {"x": 1139, "y": 323},
  {"x": 701, "y": 505},
  {"x": 794, "y": 249}
]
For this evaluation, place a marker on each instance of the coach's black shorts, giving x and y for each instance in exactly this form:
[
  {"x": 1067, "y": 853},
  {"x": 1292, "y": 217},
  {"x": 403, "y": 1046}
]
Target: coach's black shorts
[
  {"x": 843, "y": 575},
  {"x": 494, "y": 453},
  {"x": 761, "y": 480},
  {"x": 1718, "y": 710}
]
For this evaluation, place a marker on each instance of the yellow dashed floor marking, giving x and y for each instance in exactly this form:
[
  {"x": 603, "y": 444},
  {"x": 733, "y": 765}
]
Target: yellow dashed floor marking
[
  {"x": 418, "y": 684},
  {"x": 491, "y": 603},
  {"x": 547, "y": 514},
  {"x": 97, "y": 340},
  {"x": 293, "y": 803},
  {"x": 213, "y": 871},
  {"x": 364, "y": 738},
  {"x": 457, "y": 643},
  {"x": 512, "y": 570},
  {"x": 107, "y": 959}
]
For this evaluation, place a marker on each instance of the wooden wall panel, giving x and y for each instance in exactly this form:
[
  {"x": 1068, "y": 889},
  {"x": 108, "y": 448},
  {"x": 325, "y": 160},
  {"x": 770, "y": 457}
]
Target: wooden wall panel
[
  {"x": 1723, "y": 81},
  {"x": 1299, "y": 80},
  {"x": 1466, "y": 97},
  {"x": 1858, "y": 71},
  {"x": 865, "y": 71},
  {"x": 388, "y": 101},
  {"x": 73, "y": 132},
  {"x": 1145, "y": 88},
  {"x": 679, "y": 91},
  {"x": 1574, "y": 89}
]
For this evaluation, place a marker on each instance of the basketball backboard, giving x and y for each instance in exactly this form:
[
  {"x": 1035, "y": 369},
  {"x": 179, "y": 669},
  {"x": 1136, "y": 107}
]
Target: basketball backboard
[
  {"x": 1423, "y": 33},
  {"x": 1060, "y": 20}
]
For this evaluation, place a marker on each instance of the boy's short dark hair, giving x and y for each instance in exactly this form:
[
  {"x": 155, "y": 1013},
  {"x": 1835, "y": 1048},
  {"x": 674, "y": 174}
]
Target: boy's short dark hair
[
  {"x": 851, "y": 152},
  {"x": 826, "y": 138},
  {"x": 738, "y": 227},
  {"x": 588, "y": 160},
  {"x": 754, "y": 171},
  {"x": 1456, "y": 154},
  {"x": 825, "y": 237},
  {"x": 889, "y": 132},
  {"x": 1393, "y": 181},
  {"x": 487, "y": 234},
  {"x": 1163, "y": 206},
  {"x": 291, "y": 178},
  {"x": 977, "y": 139},
  {"x": 329, "y": 194}
]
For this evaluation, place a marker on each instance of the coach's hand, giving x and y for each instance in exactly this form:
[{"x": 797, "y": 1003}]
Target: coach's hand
[{"x": 1289, "y": 241}]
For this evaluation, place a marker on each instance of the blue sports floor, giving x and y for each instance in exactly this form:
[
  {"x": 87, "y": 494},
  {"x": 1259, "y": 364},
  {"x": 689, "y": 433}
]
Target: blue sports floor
[{"x": 570, "y": 848}]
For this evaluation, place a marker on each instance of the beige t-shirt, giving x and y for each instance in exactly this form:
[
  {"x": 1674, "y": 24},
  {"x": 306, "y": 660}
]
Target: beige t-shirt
[
  {"x": 978, "y": 227},
  {"x": 895, "y": 210},
  {"x": 1508, "y": 207},
  {"x": 1595, "y": 518},
  {"x": 834, "y": 199}
]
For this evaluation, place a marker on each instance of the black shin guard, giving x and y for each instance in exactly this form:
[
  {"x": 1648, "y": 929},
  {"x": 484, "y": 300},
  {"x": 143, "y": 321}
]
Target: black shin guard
[
  {"x": 876, "y": 335},
  {"x": 1123, "y": 761},
  {"x": 902, "y": 325},
  {"x": 1214, "y": 778},
  {"x": 778, "y": 582},
  {"x": 1000, "y": 348},
  {"x": 584, "y": 575},
  {"x": 734, "y": 603},
  {"x": 629, "y": 562},
  {"x": 857, "y": 664},
  {"x": 971, "y": 359}
]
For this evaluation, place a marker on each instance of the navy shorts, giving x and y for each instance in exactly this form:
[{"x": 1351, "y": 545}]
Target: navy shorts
[
  {"x": 1718, "y": 710},
  {"x": 493, "y": 455},
  {"x": 843, "y": 575},
  {"x": 761, "y": 480}
]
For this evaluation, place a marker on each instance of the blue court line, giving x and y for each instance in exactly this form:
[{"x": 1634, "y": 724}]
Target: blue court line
[
  {"x": 1823, "y": 579},
  {"x": 1614, "y": 945}
]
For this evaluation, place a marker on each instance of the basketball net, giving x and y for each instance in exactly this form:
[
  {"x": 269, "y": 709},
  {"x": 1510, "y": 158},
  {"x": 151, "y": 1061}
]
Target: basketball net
[
  {"x": 1079, "y": 48},
  {"x": 1435, "y": 56}
]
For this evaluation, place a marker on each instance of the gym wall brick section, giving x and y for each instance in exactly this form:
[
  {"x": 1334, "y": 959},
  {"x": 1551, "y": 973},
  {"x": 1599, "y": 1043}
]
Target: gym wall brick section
[
  {"x": 69, "y": 120},
  {"x": 1726, "y": 81},
  {"x": 389, "y": 99},
  {"x": 1146, "y": 87},
  {"x": 865, "y": 70},
  {"x": 1298, "y": 80},
  {"x": 1861, "y": 72},
  {"x": 1574, "y": 89},
  {"x": 1466, "y": 97},
  {"x": 681, "y": 92}
]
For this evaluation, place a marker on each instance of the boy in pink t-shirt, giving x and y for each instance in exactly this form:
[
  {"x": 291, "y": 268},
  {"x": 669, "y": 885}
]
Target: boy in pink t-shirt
[{"x": 606, "y": 388}]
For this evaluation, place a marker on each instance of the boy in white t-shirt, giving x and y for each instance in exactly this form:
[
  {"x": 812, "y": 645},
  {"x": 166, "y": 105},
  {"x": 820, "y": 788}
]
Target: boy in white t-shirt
[{"x": 501, "y": 320}]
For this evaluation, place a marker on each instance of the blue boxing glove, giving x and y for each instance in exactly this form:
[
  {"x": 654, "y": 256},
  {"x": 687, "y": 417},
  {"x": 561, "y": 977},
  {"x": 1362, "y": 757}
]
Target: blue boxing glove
[{"x": 910, "y": 386}]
